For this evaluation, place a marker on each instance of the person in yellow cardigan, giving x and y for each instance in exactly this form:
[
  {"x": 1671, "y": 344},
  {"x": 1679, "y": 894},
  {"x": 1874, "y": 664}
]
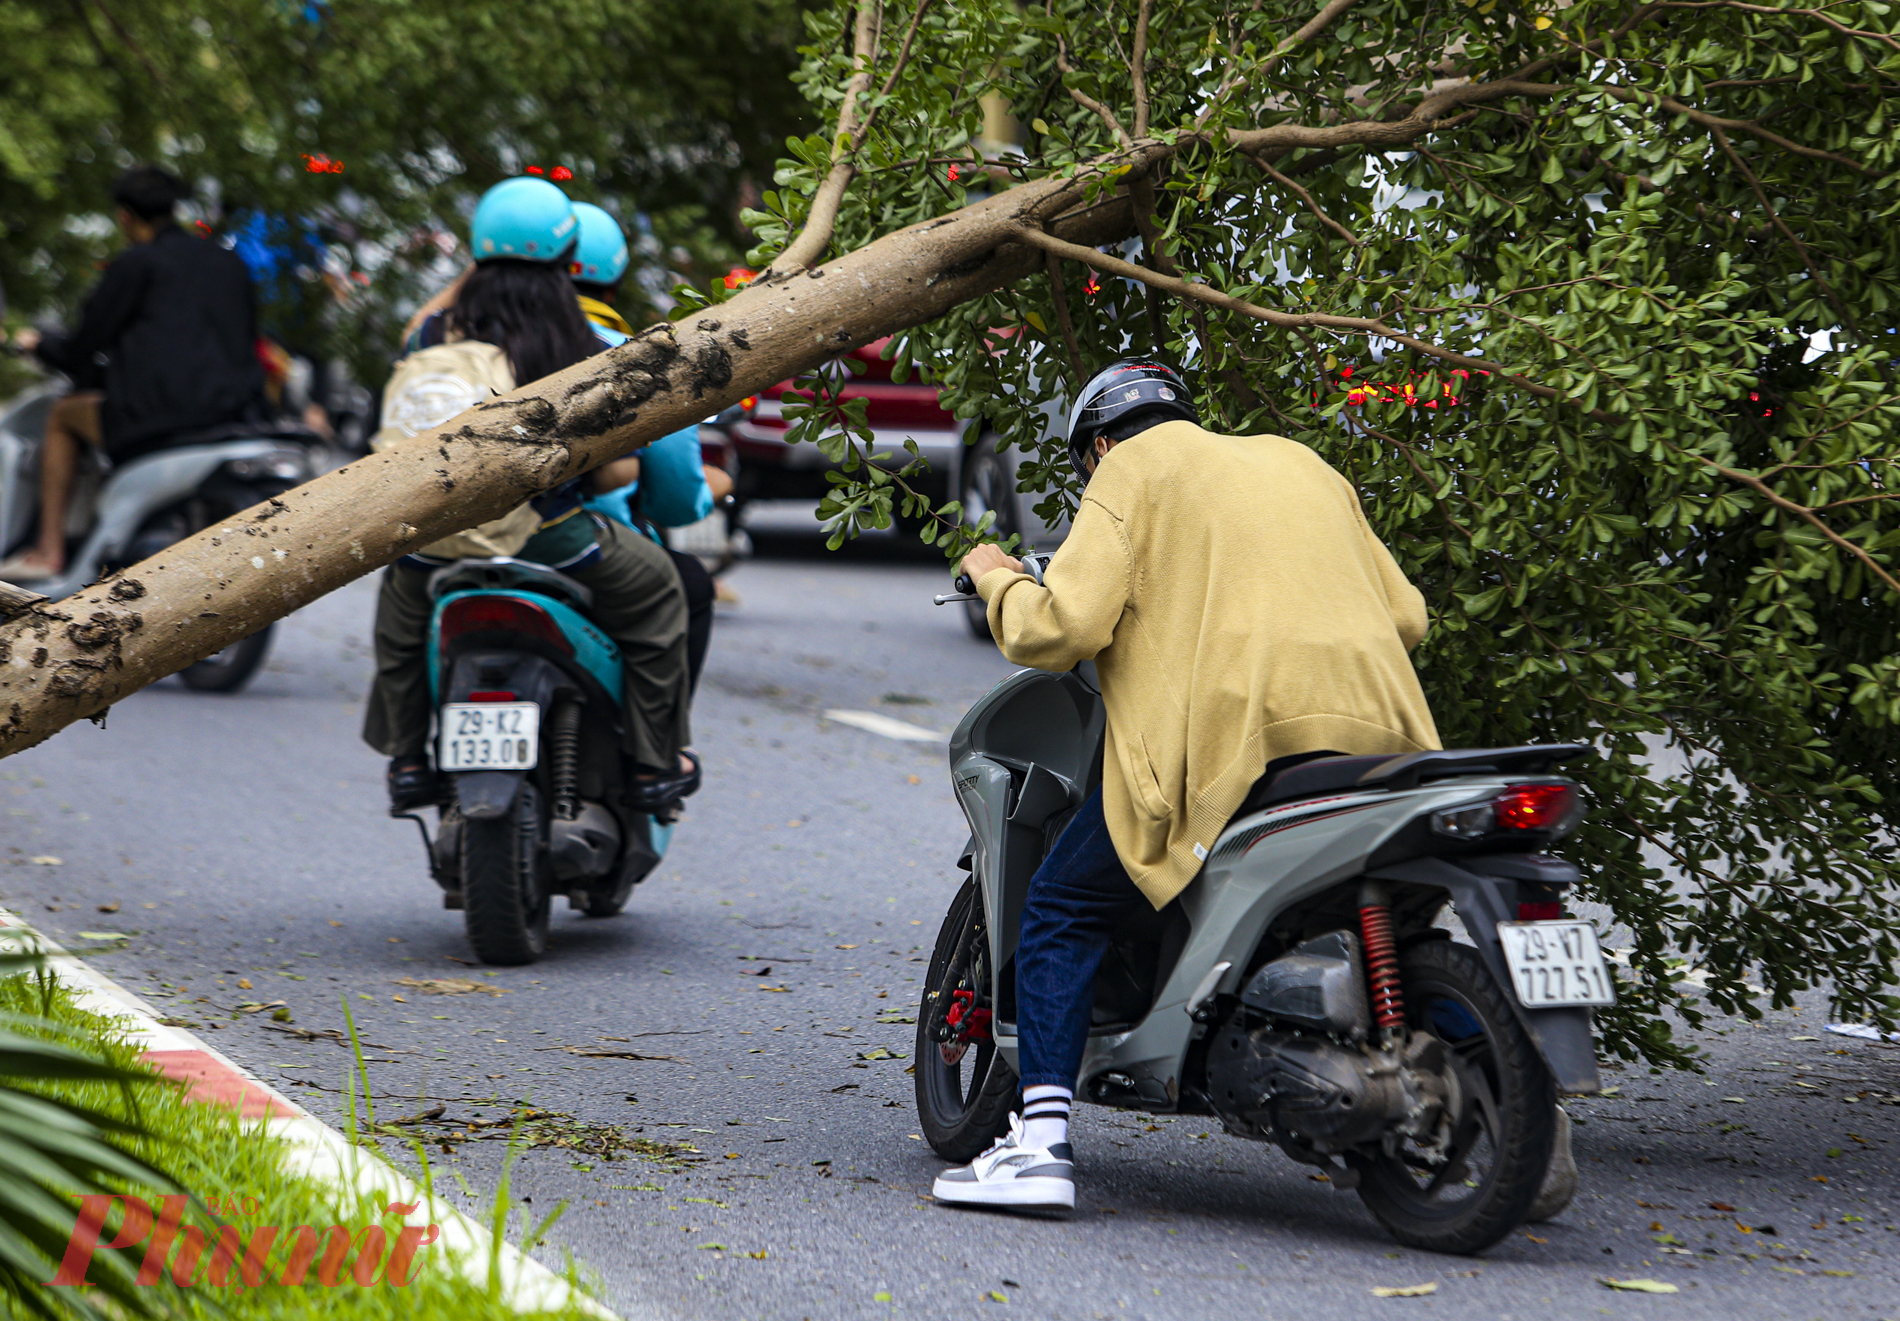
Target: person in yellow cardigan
[{"x": 1242, "y": 617}]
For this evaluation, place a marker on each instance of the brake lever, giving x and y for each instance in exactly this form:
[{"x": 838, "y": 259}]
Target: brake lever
[
  {"x": 1033, "y": 562},
  {"x": 965, "y": 591}
]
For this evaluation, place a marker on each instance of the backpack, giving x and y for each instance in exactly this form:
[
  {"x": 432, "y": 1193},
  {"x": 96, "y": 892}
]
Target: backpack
[{"x": 433, "y": 386}]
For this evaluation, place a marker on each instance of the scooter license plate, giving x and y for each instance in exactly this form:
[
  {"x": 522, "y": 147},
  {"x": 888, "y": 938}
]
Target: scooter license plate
[
  {"x": 1556, "y": 964},
  {"x": 490, "y": 736}
]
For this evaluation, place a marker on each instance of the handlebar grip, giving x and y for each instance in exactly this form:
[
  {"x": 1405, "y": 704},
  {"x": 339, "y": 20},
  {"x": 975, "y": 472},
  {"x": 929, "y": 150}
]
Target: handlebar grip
[{"x": 964, "y": 585}]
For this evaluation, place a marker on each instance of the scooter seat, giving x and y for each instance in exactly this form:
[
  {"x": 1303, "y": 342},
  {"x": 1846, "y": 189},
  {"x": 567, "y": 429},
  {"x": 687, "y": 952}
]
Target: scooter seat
[
  {"x": 1317, "y": 774},
  {"x": 1313, "y": 776}
]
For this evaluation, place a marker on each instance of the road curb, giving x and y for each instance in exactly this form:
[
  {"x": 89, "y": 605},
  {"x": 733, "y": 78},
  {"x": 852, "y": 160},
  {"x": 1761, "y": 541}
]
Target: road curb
[{"x": 317, "y": 1150}]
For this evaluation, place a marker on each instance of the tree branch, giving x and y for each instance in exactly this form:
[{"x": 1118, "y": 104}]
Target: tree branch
[
  {"x": 1774, "y": 218},
  {"x": 1141, "y": 192},
  {"x": 1115, "y": 266},
  {"x": 1088, "y": 102},
  {"x": 19, "y": 600},
  {"x": 1807, "y": 515},
  {"x": 1778, "y": 11},
  {"x": 1430, "y": 113},
  {"x": 1060, "y": 292},
  {"x": 1633, "y": 96},
  {"x": 822, "y": 219},
  {"x": 1138, "y": 66},
  {"x": 1421, "y": 119},
  {"x": 1366, "y": 326},
  {"x": 1300, "y": 191},
  {"x": 1307, "y": 31},
  {"x": 903, "y": 58}
]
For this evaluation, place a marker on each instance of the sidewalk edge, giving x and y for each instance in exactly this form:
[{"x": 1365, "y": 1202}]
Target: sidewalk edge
[{"x": 319, "y": 1151}]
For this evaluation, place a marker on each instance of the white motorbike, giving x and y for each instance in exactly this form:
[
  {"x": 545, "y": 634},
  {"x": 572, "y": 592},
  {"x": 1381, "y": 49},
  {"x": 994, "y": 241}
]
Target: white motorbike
[
  {"x": 121, "y": 514},
  {"x": 1301, "y": 989}
]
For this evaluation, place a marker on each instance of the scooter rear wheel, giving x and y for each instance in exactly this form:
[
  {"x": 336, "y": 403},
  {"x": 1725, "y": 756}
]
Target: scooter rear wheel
[
  {"x": 965, "y": 1088},
  {"x": 1497, "y": 1170},
  {"x": 505, "y": 895}
]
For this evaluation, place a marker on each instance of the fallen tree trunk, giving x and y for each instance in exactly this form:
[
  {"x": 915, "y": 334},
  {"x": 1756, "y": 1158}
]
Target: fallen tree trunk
[{"x": 66, "y": 660}]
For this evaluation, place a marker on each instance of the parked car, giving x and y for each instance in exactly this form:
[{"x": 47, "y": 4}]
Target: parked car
[{"x": 980, "y": 475}]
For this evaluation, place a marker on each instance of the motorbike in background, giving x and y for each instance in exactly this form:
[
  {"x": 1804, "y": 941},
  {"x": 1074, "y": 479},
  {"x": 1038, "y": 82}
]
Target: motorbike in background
[
  {"x": 538, "y": 795},
  {"x": 121, "y": 514},
  {"x": 717, "y": 540},
  {"x": 1301, "y": 989}
]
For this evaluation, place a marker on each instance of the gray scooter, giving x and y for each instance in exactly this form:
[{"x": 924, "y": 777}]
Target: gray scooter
[
  {"x": 122, "y": 514},
  {"x": 1300, "y": 989}
]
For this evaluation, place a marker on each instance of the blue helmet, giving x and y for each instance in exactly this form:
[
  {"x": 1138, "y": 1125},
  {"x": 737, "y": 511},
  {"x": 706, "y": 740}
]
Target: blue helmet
[
  {"x": 527, "y": 219},
  {"x": 601, "y": 257}
]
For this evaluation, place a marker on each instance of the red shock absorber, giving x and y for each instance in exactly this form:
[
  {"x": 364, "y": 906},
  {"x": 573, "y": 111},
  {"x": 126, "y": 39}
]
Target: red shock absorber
[{"x": 1382, "y": 966}]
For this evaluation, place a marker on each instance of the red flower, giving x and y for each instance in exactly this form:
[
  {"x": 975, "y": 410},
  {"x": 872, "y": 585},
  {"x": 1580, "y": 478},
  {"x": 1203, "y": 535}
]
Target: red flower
[
  {"x": 560, "y": 174},
  {"x": 1355, "y": 397},
  {"x": 320, "y": 164},
  {"x": 1094, "y": 286},
  {"x": 738, "y": 276},
  {"x": 1346, "y": 372},
  {"x": 953, "y": 174}
]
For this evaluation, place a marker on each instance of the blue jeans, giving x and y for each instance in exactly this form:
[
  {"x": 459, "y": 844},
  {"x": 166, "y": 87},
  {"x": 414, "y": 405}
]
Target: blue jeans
[{"x": 1076, "y": 900}]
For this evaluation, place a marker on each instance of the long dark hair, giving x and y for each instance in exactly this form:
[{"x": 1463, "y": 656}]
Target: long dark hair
[{"x": 527, "y": 310}]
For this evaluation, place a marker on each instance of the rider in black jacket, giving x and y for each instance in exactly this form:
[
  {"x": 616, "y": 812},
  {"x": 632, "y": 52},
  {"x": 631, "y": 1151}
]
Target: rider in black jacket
[{"x": 166, "y": 345}]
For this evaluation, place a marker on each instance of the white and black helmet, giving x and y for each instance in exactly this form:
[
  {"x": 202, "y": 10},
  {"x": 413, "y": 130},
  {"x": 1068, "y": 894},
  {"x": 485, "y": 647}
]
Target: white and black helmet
[{"x": 1119, "y": 391}]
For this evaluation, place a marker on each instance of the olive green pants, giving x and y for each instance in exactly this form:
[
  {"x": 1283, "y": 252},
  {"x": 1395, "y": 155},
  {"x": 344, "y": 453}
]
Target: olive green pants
[{"x": 638, "y": 602}]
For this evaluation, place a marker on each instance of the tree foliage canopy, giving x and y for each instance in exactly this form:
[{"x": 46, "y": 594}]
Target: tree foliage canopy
[
  {"x": 374, "y": 121},
  {"x": 1596, "y": 304}
]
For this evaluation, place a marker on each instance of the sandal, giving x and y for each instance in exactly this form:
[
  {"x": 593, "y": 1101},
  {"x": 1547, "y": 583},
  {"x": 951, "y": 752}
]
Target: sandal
[
  {"x": 412, "y": 785},
  {"x": 656, "y": 794}
]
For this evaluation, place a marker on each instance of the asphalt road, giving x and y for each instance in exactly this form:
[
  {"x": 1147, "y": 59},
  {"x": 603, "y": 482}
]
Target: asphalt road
[{"x": 756, "y": 1164}]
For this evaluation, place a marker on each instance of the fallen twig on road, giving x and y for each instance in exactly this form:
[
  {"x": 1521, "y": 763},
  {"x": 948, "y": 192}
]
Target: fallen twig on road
[
  {"x": 586, "y": 1053},
  {"x": 330, "y": 1034}
]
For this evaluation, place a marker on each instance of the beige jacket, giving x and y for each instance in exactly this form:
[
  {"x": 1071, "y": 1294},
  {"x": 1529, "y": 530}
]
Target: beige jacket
[
  {"x": 1238, "y": 608},
  {"x": 428, "y": 388}
]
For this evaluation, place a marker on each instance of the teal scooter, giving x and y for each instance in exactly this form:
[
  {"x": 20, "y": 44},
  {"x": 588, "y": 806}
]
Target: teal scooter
[{"x": 538, "y": 799}]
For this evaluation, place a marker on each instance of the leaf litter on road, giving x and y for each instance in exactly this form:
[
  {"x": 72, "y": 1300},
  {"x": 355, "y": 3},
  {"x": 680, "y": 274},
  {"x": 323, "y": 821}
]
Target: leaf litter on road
[
  {"x": 451, "y": 986},
  {"x": 541, "y": 1128},
  {"x": 1640, "y": 1286},
  {"x": 1405, "y": 1290}
]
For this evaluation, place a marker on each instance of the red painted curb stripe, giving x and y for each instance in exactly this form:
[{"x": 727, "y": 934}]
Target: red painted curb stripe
[{"x": 210, "y": 1080}]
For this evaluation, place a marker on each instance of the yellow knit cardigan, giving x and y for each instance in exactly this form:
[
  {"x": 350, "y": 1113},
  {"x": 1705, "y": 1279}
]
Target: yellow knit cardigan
[{"x": 1238, "y": 608}]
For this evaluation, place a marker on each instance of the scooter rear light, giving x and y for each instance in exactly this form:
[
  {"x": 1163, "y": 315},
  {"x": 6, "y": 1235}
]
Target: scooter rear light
[
  {"x": 502, "y": 614},
  {"x": 491, "y": 695},
  {"x": 1537, "y": 807},
  {"x": 1552, "y": 808},
  {"x": 1474, "y": 822},
  {"x": 1544, "y": 912}
]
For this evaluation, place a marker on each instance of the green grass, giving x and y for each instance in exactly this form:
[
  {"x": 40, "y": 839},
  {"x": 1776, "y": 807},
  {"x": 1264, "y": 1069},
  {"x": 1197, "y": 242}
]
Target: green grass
[{"x": 215, "y": 1158}]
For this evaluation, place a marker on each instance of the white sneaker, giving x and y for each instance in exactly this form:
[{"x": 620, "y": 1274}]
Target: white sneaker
[{"x": 1013, "y": 1176}]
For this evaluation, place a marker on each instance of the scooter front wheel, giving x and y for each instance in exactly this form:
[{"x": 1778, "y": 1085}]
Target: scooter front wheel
[
  {"x": 1501, "y": 1142},
  {"x": 505, "y": 895},
  {"x": 965, "y": 1088},
  {"x": 229, "y": 670}
]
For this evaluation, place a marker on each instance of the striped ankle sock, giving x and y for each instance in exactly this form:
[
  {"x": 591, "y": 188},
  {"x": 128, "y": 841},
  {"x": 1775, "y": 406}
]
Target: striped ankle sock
[{"x": 1046, "y": 1115}]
